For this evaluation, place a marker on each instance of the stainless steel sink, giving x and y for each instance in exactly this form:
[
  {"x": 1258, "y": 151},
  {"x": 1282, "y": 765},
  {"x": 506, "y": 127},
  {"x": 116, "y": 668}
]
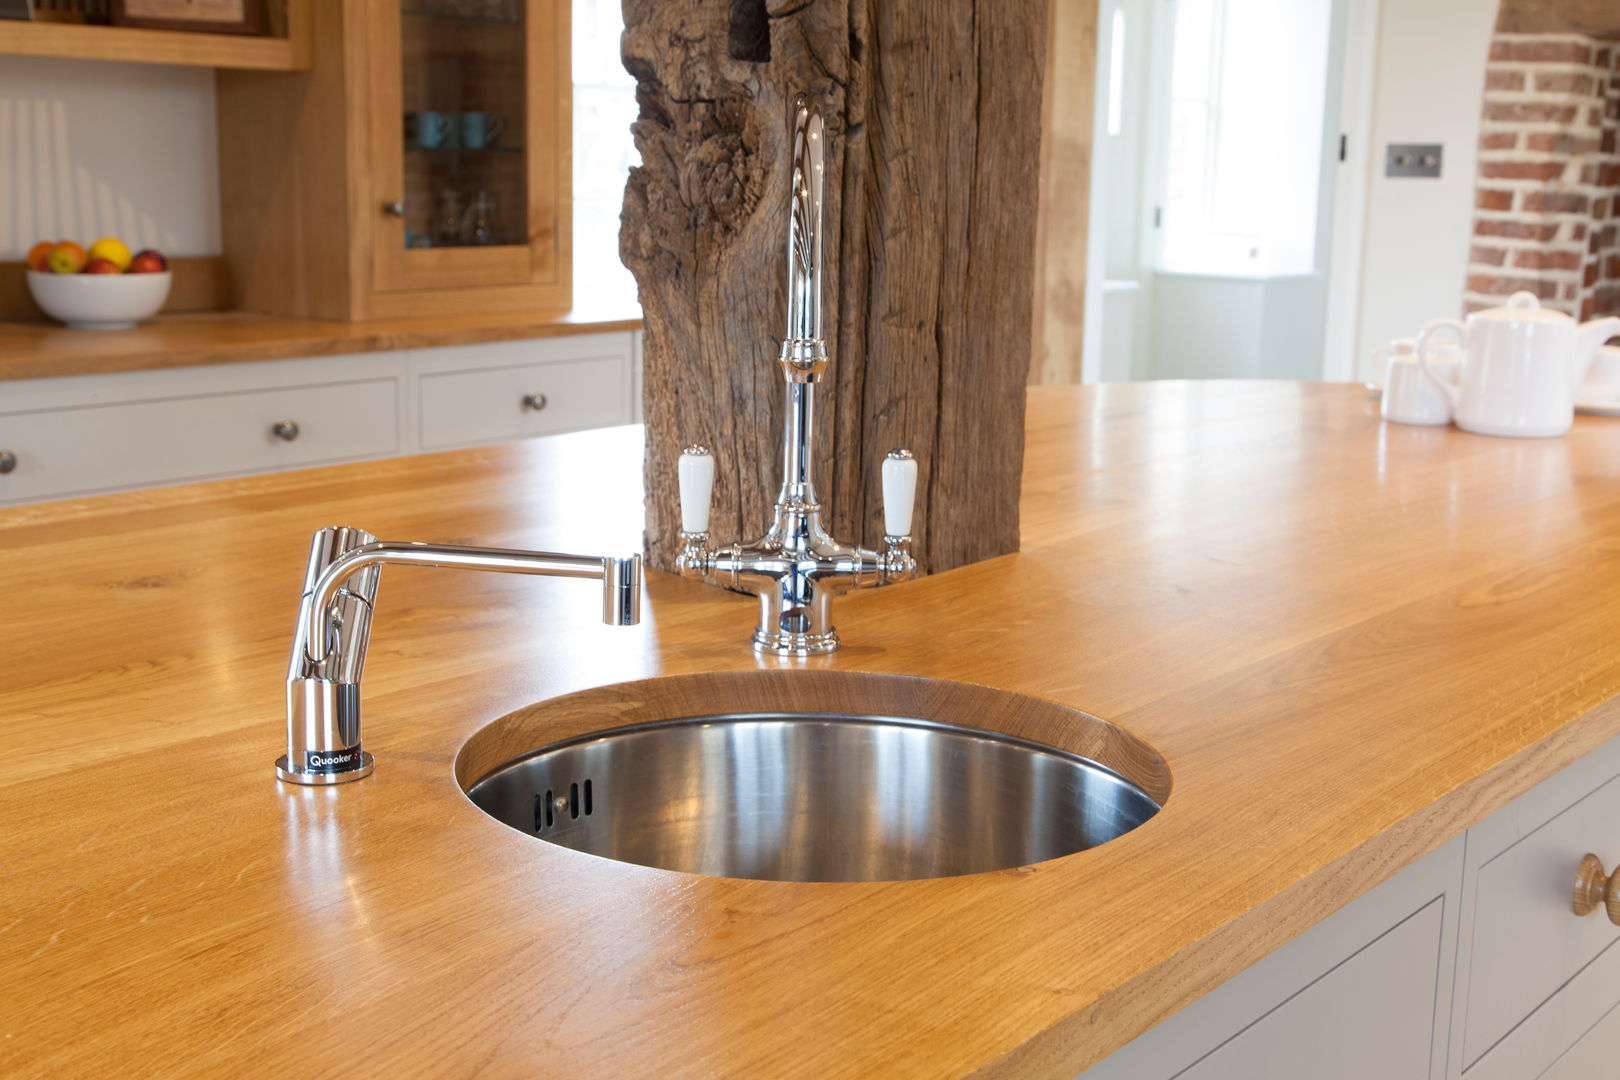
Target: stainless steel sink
[{"x": 816, "y": 795}]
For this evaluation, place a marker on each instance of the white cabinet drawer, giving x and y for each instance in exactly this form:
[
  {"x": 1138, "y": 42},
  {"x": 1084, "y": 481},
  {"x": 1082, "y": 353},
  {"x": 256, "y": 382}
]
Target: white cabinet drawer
[
  {"x": 488, "y": 404},
  {"x": 1527, "y": 941},
  {"x": 1372, "y": 1016},
  {"x": 1594, "y": 1055},
  {"x": 1579, "y": 1017},
  {"x": 104, "y": 447}
]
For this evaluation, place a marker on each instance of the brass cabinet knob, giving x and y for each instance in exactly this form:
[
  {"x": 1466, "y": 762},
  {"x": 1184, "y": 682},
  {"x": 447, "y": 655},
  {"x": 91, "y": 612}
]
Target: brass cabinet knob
[
  {"x": 1594, "y": 887},
  {"x": 534, "y": 402},
  {"x": 8, "y": 461},
  {"x": 285, "y": 430}
]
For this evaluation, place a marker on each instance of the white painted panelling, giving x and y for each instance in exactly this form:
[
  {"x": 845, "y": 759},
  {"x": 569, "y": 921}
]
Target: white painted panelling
[
  {"x": 466, "y": 395},
  {"x": 90, "y": 149},
  {"x": 1373, "y": 1015},
  {"x": 97, "y": 433},
  {"x": 1594, "y": 1055},
  {"x": 168, "y": 440},
  {"x": 1527, "y": 941},
  {"x": 1371, "y": 981},
  {"x": 466, "y": 408},
  {"x": 1565, "y": 1020}
]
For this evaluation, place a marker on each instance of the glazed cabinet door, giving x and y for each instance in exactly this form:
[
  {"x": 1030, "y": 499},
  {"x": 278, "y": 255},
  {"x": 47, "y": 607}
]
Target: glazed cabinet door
[{"x": 469, "y": 117}]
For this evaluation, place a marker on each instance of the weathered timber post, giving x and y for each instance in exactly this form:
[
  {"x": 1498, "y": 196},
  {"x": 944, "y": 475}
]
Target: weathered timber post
[{"x": 934, "y": 114}]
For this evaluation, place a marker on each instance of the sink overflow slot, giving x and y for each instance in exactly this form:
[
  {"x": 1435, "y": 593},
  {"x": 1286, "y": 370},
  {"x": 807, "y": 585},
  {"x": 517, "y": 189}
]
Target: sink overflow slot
[{"x": 549, "y": 805}]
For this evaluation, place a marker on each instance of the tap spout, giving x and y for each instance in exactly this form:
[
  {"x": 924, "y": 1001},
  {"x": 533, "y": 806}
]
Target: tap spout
[
  {"x": 621, "y": 578},
  {"x": 804, "y": 350}
]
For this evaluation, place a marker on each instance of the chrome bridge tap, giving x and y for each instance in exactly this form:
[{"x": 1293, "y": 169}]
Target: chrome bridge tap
[{"x": 796, "y": 568}]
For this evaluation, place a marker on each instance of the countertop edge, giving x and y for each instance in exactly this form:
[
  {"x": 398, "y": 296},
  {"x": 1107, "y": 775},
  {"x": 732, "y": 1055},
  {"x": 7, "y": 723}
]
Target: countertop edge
[
  {"x": 42, "y": 351},
  {"x": 1134, "y": 1008}
]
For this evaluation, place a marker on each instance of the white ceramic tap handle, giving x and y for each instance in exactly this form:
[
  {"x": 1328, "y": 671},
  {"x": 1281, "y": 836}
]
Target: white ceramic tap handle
[
  {"x": 899, "y": 492},
  {"x": 696, "y": 475}
]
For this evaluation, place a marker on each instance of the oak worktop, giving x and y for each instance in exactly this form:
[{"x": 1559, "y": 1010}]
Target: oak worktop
[
  {"x": 36, "y": 350},
  {"x": 1350, "y": 641}
]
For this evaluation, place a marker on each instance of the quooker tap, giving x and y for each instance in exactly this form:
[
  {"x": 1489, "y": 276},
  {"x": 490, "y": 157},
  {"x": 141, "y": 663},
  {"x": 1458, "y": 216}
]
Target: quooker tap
[
  {"x": 796, "y": 568},
  {"x": 334, "y": 624}
]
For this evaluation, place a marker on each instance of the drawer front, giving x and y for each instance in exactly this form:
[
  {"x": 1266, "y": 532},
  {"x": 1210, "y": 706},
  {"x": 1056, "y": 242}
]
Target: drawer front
[
  {"x": 1574, "y": 1023},
  {"x": 1372, "y": 1016},
  {"x": 1595, "y": 1055},
  {"x": 492, "y": 404},
  {"x": 1527, "y": 941},
  {"x": 61, "y": 452}
]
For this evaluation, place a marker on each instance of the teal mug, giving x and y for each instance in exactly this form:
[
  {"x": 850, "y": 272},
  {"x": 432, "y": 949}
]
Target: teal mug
[
  {"x": 428, "y": 129},
  {"x": 479, "y": 130}
]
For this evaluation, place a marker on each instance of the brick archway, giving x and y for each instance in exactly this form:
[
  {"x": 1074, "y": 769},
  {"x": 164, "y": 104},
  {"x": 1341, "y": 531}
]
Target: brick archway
[{"x": 1549, "y": 175}]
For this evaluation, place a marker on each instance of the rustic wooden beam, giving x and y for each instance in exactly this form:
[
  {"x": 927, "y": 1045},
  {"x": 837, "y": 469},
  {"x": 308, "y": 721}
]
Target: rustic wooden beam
[{"x": 933, "y": 109}]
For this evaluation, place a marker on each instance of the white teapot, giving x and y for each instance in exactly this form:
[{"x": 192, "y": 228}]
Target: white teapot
[{"x": 1522, "y": 365}]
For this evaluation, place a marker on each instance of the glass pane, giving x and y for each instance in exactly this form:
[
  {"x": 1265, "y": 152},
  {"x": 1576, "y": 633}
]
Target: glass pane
[{"x": 464, "y": 68}]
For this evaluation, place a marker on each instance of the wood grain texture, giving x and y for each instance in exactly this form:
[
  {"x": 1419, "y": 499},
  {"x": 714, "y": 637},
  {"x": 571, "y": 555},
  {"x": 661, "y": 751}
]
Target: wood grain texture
[
  {"x": 306, "y": 165},
  {"x": 201, "y": 283},
  {"x": 224, "y": 51},
  {"x": 1064, "y": 210},
  {"x": 1349, "y": 640},
  {"x": 40, "y": 350},
  {"x": 932, "y": 110}
]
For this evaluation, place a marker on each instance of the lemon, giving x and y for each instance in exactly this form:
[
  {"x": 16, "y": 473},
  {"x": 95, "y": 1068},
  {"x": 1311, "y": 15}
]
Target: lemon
[{"x": 113, "y": 250}]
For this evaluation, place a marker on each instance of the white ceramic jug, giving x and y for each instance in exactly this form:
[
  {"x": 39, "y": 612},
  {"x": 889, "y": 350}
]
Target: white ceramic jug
[{"x": 1521, "y": 366}]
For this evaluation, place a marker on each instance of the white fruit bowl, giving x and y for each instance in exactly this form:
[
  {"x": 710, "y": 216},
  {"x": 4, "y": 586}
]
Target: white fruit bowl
[{"x": 100, "y": 301}]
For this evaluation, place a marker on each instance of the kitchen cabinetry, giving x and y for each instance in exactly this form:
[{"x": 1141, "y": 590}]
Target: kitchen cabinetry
[
  {"x": 89, "y": 434},
  {"x": 420, "y": 168},
  {"x": 1468, "y": 965}
]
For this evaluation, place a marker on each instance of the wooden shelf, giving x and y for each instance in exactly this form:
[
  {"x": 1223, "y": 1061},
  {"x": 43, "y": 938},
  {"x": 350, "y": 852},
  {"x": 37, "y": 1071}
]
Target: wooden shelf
[{"x": 76, "y": 42}]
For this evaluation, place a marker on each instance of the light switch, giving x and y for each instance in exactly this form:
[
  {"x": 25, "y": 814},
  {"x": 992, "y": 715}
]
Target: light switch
[{"x": 1420, "y": 160}]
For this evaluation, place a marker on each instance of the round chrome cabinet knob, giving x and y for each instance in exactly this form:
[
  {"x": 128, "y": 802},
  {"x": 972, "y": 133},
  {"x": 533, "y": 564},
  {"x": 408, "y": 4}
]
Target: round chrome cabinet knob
[
  {"x": 8, "y": 461},
  {"x": 394, "y": 208},
  {"x": 534, "y": 402},
  {"x": 285, "y": 430}
]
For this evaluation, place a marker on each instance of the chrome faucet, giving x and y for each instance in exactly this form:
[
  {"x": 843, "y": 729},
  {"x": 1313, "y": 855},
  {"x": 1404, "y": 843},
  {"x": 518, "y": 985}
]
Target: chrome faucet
[
  {"x": 334, "y": 623},
  {"x": 796, "y": 568}
]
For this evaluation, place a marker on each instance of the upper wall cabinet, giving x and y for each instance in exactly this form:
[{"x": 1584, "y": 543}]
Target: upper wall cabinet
[{"x": 420, "y": 168}]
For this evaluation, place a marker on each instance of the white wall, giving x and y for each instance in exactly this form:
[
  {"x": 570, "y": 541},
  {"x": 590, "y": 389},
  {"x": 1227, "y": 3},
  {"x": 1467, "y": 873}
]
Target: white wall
[
  {"x": 1430, "y": 88},
  {"x": 90, "y": 149}
]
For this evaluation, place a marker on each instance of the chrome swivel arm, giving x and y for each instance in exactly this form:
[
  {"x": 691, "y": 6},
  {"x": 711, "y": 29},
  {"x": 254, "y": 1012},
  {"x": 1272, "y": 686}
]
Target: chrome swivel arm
[
  {"x": 334, "y": 624},
  {"x": 796, "y": 568}
]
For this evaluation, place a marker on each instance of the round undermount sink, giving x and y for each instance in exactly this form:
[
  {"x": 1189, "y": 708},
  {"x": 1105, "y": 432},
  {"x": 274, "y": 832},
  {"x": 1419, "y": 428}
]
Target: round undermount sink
[{"x": 814, "y": 776}]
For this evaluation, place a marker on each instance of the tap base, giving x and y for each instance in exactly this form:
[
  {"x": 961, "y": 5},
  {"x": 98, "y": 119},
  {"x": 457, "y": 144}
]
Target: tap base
[
  {"x": 324, "y": 779},
  {"x": 790, "y": 644}
]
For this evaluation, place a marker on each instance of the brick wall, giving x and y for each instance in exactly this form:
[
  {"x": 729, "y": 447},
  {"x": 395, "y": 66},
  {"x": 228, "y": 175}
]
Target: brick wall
[{"x": 1549, "y": 175}]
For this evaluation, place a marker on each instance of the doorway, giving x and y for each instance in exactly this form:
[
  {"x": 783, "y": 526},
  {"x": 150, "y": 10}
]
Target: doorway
[{"x": 1221, "y": 146}]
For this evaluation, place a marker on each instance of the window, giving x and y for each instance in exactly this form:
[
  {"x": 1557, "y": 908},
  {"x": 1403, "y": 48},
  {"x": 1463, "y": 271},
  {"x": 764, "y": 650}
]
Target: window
[
  {"x": 1116, "y": 74},
  {"x": 1248, "y": 93}
]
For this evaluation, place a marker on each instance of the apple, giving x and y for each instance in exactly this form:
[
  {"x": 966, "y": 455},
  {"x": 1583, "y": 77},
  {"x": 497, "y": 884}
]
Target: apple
[
  {"x": 66, "y": 258},
  {"x": 113, "y": 250},
  {"x": 150, "y": 261},
  {"x": 101, "y": 266},
  {"x": 37, "y": 255}
]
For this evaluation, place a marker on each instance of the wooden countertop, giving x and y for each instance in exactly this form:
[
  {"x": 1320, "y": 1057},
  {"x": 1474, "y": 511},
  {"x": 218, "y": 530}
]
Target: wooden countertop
[
  {"x": 1350, "y": 641},
  {"x": 33, "y": 350}
]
